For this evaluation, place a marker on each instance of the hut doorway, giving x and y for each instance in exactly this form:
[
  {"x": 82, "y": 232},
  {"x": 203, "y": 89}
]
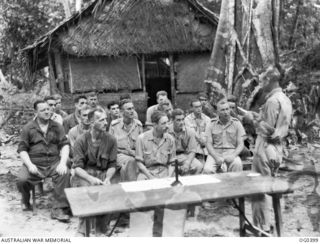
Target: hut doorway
[{"x": 157, "y": 72}]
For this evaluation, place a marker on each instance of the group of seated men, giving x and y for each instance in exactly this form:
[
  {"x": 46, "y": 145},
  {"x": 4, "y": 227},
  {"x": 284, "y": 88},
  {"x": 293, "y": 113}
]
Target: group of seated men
[{"x": 96, "y": 145}]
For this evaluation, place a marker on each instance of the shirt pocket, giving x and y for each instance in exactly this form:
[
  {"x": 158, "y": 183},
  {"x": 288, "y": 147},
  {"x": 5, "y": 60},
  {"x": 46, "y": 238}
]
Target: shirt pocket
[
  {"x": 217, "y": 137},
  {"x": 163, "y": 156},
  {"x": 147, "y": 156}
]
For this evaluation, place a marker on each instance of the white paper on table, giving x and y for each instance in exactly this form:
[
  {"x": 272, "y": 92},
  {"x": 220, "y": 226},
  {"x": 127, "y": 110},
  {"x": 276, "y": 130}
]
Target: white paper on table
[
  {"x": 253, "y": 174},
  {"x": 147, "y": 185},
  {"x": 198, "y": 180}
]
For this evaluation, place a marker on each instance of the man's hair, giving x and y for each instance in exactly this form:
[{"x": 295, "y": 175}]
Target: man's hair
[
  {"x": 77, "y": 99},
  {"x": 176, "y": 112},
  {"x": 124, "y": 96},
  {"x": 232, "y": 98},
  {"x": 161, "y": 93},
  {"x": 49, "y": 98},
  {"x": 35, "y": 104},
  {"x": 93, "y": 111},
  {"x": 57, "y": 96},
  {"x": 84, "y": 108},
  {"x": 272, "y": 73},
  {"x": 110, "y": 104},
  {"x": 202, "y": 94},
  {"x": 92, "y": 94},
  {"x": 193, "y": 101},
  {"x": 157, "y": 115},
  {"x": 222, "y": 101},
  {"x": 124, "y": 101}
]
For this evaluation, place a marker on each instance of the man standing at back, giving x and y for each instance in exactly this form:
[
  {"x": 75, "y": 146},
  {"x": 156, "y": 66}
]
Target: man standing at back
[
  {"x": 126, "y": 130},
  {"x": 59, "y": 110},
  {"x": 272, "y": 125},
  {"x": 113, "y": 112},
  {"x": 52, "y": 105},
  {"x": 162, "y": 98},
  {"x": 74, "y": 119}
]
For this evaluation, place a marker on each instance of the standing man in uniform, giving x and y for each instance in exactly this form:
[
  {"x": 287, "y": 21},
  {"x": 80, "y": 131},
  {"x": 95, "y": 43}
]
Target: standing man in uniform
[
  {"x": 94, "y": 161},
  {"x": 74, "y": 119},
  {"x": 52, "y": 105},
  {"x": 162, "y": 98},
  {"x": 113, "y": 112},
  {"x": 272, "y": 126},
  {"x": 186, "y": 144},
  {"x": 155, "y": 151},
  {"x": 81, "y": 128},
  {"x": 126, "y": 130},
  {"x": 59, "y": 110},
  {"x": 224, "y": 142},
  {"x": 199, "y": 122},
  {"x": 44, "y": 150}
]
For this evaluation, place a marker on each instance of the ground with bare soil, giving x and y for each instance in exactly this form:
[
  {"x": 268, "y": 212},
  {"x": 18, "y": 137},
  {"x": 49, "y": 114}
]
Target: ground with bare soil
[{"x": 301, "y": 209}]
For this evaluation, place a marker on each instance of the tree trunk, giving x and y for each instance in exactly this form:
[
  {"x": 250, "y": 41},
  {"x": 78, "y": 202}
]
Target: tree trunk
[
  {"x": 295, "y": 25},
  {"x": 246, "y": 42}
]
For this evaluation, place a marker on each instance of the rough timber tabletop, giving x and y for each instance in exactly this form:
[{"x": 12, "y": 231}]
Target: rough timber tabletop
[{"x": 96, "y": 200}]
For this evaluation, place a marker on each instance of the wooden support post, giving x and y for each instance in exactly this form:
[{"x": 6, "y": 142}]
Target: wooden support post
[
  {"x": 277, "y": 212},
  {"x": 172, "y": 79},
  {"x": 88, "y": 226},
  {"x": 241, "y": 217},
  {"x": 58, "y": 64},
  {"x": 52, "y": 78},
  {"x": 143, "y": 72}
]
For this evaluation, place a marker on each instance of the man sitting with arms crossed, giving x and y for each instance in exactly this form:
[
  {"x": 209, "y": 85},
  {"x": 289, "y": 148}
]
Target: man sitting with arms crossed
[
  {"x": 199, "y": 122},
  {"x": 186, "y": 144},
  {"x": 155, "y": 151},
  {"x": 41, "y": 144},
  {"x": 224, "y": 141},
  {"x": 74, "y": 119},
  {"x": 95, "y": 155},
  {"x": 126, "y": 130}
]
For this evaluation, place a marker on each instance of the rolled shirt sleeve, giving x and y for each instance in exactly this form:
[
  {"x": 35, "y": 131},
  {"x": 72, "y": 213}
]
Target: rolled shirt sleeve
[
  {"x": 24, "y": 140},
  {"x": 139, "y": 149}
]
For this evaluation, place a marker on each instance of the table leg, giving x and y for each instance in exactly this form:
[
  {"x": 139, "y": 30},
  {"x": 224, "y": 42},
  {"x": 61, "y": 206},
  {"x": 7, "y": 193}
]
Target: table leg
[
  {"x": 88, "y": 227},
  {"x": 241, "y": 217},
  {"x": 277, "y": 212}
]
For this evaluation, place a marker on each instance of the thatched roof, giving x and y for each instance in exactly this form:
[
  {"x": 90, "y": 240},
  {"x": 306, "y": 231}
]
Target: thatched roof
[{"x": 128, "y": 27}]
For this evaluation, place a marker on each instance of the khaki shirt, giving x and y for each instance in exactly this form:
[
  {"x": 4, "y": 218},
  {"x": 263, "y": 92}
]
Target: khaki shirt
[
  {"x": 151, "y": 154},
  {"x": 185, "y": 140},
  {"x": 126, "y": 139},
  {"x": 276, "y": 114},
  {"x": 224, "y": 137}
]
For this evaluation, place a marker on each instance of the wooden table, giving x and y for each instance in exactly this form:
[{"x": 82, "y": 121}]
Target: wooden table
[{"x": 145, "y": 195}]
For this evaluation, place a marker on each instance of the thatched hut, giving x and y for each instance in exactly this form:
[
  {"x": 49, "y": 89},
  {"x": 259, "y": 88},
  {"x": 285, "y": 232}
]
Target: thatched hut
[{"x": 137, "y": 45}]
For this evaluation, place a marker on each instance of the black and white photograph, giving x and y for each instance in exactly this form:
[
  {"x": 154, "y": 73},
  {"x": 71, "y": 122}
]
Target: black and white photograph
[{"x": 159, "y": 118}]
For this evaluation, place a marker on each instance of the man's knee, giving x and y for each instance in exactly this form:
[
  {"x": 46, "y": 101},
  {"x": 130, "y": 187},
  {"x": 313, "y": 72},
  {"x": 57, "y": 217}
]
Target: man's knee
[
  {"x": 196, "y": 166},
  {"x": 236, "y": 165},
  {"x": 209, "y": 166}
]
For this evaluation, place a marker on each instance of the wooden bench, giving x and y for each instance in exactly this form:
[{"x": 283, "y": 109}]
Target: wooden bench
[{"x": 146, "y": 195}]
